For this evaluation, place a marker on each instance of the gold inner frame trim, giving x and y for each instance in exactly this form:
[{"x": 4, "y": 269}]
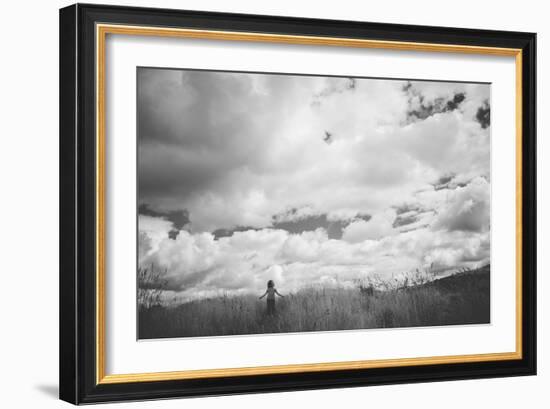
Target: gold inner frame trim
[{"x": 101, "y": 33}]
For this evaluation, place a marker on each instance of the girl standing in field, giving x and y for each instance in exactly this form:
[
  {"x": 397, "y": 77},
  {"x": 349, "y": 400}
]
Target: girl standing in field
[{"x": 270, "y": 292}]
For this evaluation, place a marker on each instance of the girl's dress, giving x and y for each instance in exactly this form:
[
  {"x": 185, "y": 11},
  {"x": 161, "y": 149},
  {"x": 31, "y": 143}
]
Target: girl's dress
[{"x": 271, "y": 300}]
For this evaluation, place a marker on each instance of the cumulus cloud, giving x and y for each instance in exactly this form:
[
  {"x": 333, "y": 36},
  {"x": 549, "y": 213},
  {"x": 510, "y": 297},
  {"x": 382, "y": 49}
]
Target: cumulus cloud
[
  {"x": 467, "y": 208},
  {"x": 199, "y": 264},
  {"x": 237, "y": 182},
  {"x": 380, "y": 225}
]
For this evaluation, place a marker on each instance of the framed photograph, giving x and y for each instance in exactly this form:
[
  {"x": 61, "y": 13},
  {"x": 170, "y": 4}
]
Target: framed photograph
[{"x": 257, "y": 203}]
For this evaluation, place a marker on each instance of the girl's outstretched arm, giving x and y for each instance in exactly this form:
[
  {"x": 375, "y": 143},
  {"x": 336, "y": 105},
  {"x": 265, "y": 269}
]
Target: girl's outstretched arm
[
  {"x": 279, "y": 294},
  {"x": 263, "y": 295}
]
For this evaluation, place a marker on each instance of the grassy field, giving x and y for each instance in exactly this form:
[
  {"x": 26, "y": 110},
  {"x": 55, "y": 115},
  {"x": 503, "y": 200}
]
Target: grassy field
[{"x": 462, "y": 298}]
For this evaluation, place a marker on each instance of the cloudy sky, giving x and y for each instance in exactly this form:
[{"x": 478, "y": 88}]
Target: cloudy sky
[{"x": 306, "y": 180}]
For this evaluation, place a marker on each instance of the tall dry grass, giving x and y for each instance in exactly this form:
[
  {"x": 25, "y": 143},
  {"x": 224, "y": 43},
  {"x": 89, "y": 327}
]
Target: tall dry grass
[{"x": 459, "y": 299}]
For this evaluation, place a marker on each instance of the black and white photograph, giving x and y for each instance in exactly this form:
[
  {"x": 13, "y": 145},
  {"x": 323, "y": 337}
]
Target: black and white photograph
[{"x": 285, "y": 203}]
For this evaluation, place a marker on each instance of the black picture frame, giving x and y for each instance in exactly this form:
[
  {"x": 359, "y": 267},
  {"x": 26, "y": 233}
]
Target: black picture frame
[{"x": 78, "y": 236}]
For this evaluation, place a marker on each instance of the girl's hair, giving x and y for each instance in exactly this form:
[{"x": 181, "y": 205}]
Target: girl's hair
[{"x": 270, "y": 284}]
